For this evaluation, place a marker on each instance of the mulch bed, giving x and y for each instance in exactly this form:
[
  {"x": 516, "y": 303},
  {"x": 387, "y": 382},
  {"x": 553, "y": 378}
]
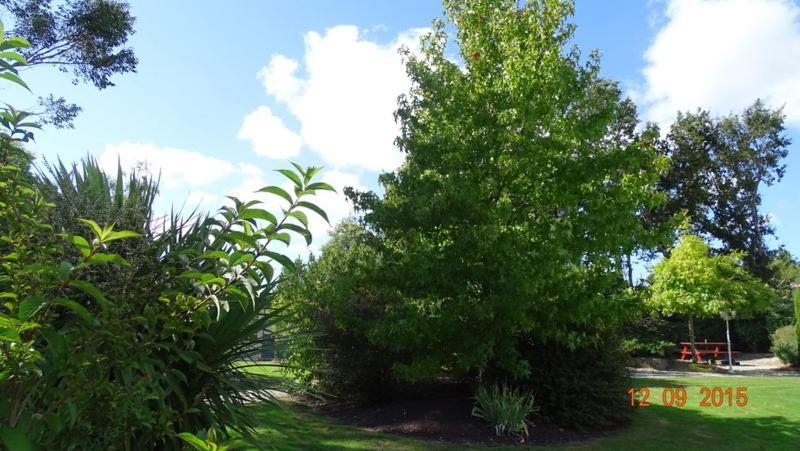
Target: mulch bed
[{"x": 443, "y": 416}]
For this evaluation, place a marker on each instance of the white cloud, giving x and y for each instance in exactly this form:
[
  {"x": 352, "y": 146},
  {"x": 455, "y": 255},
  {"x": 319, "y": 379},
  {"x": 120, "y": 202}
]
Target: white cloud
[
  {"x": 250, "y": 169},
  {"x": 721, "y": 55},
  {"x": 177, "y": 167},
  {"x": 279, "y": 78},
  {"x": 346, "y": 101},
  {"x": 201, "y": 198},
  {"x": 268, "y": 136}
]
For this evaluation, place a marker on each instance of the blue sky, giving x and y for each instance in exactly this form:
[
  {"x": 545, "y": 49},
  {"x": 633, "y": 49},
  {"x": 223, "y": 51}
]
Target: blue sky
[{"x": 224, "y": 95}]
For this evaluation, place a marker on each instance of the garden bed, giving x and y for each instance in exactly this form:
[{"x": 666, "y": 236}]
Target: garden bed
[{"x": 442, "y": 416}]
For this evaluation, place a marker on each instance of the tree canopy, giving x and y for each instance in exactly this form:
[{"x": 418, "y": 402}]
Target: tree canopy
[
  {"x": 85, "y": 37},
  {"x": 693, "y": 282}
]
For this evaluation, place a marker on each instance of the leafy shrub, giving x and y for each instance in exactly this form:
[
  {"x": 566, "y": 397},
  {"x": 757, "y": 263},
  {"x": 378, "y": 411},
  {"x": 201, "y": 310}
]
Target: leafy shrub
[
  {"x": 640, "y": 348},
  {"x": 583, "y": 388},
  {"x": 507, "y": 409},
  {"x": 785, "y": 346},
  {"x": 645, "y": 335},
  {"x": 161, "y": 346},
  {"x": 796, "y": 299},
  {"x": 331, "y": 305}
]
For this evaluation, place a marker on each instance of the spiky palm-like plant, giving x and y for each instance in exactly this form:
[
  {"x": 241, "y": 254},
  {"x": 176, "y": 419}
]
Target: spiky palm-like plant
[{"x": 84, "y": 190}]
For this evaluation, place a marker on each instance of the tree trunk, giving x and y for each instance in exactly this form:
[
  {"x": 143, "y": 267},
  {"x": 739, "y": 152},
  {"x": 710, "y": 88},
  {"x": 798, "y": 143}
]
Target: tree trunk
[
  {"x": 630, "y": 269},
  {"x": 691, "y": 339}
]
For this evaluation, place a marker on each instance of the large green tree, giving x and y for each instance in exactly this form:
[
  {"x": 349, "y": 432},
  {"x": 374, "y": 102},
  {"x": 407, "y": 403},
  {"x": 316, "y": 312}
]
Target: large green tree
[
  {"x": 516, "y": 200},
  {"x": 695, "y": 283}
]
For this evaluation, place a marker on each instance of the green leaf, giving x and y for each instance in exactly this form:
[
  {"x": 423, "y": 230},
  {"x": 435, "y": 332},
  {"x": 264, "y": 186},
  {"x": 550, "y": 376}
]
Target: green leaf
[
  {"x": 56, "y": 342},
  {"x": 300, "y": 230},
  {"x": 256, "y": 213},
  {"x": 300, "y": 216},
  {"x": 315, "y": 209},
  {"x": 102, "y": 258},
  {"x": 120, "y": 235},
  {"x": 11, "y": 77},
  {"x": 192, "y": 439},
  {"x": 9, "y": 334},
  {"x": 320, "y": 186},
  {"x": 78, "y": 309},
  {"x": 284, "y": 261},
  {"x": 311, "y": 172},
  {"x": 92, "y": 291},
  {"x": 79, "y": 242},
  {"x": 95, "y": 228},
  {"x": 210, "y": 279},
  {"x": 190, "y": 274},
  {"x": 13, "y": 69},
  {"x": 64, "y": 268},
  {"x": 283, "y": 237},
  {"x": 14, "y": 56},
  {"x": 299, "y": 168},
  {"x": 277, "y": 191},
  {"x": 14, "y": 43},
  {"x": 29, "y": 307},
  {"x": 13, "y": 256},
  {"x": 216, "y": 255},
  {"x": 239, "y": 257},
  {"x": 292, "y": 176},
  {"x": 15, "y": 440},
  {"x": 240, "y": 238},
  {"x": 267, "y": 271}
]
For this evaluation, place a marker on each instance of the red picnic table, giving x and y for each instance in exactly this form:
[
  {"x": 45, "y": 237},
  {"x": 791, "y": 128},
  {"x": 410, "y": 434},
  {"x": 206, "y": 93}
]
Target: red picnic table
[{"x": 713, "y": 350}]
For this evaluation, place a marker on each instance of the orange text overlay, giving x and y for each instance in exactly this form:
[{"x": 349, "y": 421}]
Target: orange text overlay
[{"x": 678, "y": 397}]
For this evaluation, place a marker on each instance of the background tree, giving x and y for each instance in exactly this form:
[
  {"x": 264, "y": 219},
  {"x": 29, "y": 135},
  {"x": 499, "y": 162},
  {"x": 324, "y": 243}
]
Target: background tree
[
  {"x": 717, "y": 168},
  {"x": 694, "y": 283},
  {"x": 786, "y": 274},
  {"x": 84, "y": 37}
]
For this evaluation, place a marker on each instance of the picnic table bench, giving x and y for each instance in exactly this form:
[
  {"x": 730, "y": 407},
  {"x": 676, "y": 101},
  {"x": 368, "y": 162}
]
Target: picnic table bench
[{"x": 713, "y": 350}]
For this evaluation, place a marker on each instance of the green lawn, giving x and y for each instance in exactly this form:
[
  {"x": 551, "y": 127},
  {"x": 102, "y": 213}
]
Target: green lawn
[
  {"x": 265, "y": 368},
  {"x": 771, "y": 420}
]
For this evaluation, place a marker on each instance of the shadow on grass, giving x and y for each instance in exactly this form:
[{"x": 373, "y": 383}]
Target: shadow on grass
[
  {"x": 770, "y": 420},
  {"x": 670, "y": 428}
]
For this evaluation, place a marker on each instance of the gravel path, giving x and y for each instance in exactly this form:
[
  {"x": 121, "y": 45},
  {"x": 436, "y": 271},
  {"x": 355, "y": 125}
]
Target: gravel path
[{"x": 750, "y": 365}]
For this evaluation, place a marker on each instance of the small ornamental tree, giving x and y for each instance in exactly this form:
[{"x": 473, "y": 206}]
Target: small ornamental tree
[{"x": 694, "y": 283}]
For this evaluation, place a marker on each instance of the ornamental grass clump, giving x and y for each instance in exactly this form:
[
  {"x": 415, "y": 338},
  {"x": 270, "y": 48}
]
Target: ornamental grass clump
[{"x": 507, "y": 409}]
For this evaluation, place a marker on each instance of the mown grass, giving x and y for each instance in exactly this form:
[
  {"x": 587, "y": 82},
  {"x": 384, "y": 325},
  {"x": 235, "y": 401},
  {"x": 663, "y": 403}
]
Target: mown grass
[
  {"x": 272, "y": 369},
  {"x": 770, "y": 420}
]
